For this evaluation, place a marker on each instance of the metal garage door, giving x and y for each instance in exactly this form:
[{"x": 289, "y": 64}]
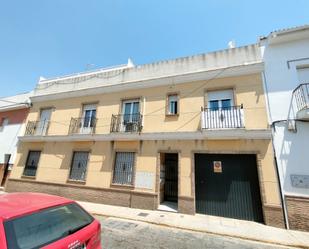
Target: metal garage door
[{"x": 227, "y": 185}]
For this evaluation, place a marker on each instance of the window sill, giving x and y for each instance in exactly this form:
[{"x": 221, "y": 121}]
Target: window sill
[
  {"x": 81, "y": 182},
  {"x": 28, "y": 177},
  {"x": 171, "y": 115},
  {"x": 126, "y": 186}
]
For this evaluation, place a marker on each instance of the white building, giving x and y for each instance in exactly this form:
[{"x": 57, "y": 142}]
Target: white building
[
  {"x": 286, "y": 82},
  {"x": 13, "y": 112}
]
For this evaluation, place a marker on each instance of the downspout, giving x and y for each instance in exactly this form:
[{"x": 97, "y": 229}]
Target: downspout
[{"x": 285, "y": 215}]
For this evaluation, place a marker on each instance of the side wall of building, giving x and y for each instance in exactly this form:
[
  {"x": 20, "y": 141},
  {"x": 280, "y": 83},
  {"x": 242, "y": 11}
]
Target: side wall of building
[{"x": 281, "y": 78}]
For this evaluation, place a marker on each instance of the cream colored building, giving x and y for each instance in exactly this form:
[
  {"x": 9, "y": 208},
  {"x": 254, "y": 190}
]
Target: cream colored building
[{"x": 188, "y": 135}]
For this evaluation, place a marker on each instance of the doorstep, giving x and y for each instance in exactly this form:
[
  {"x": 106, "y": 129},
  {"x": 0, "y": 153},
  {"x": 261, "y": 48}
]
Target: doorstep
[
  {"x": 205, "y": 223},
  {"x": 168, "y": 206}
]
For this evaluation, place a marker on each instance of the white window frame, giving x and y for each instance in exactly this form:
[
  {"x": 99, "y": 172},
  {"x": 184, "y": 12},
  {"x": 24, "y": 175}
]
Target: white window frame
[
  {"x": 220, "y": 95},
  {"x": 172, "y": 98},
  {"x": 86, "y": 128}
]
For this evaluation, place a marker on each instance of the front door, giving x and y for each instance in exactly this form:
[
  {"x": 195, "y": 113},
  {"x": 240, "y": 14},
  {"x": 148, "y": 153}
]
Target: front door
[
  {"x": 43, "y": 123},
  {"x": 130, "y": 115},
  {"x": 171, "y": 177},
  {"x": 227, "y": 185}
]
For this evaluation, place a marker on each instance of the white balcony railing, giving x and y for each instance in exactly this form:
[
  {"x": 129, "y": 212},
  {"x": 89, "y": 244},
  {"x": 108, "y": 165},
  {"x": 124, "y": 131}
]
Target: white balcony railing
[
  {"x": 223, "y": 118},
  {"x": 300, "y": 102}
]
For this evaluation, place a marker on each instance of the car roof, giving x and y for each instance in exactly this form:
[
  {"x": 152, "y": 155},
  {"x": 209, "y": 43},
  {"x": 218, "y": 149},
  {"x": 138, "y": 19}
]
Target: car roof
[{"x": 17, "y": 204}]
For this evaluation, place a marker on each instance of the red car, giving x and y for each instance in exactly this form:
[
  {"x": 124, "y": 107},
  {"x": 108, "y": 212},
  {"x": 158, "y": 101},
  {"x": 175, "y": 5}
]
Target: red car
[{"x": 32, "y": 221}]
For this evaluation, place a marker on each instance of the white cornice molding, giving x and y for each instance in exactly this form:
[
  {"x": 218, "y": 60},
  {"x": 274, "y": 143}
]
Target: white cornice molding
[
  {"x": 13, "y": 107},
  {"x": 228, "y": 134},
  {"x": 245, "y": 69}
]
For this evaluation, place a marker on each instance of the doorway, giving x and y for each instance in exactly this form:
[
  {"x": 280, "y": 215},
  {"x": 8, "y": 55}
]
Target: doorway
[{"x": 169, "y": 182}]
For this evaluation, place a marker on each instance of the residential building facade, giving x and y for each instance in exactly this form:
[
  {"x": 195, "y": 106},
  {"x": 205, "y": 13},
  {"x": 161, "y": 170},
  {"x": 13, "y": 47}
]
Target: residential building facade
[
  {"x": 13, "y": 114},
  {"x": 189, "y": 135},
  {"x": 286, "y": 57}
]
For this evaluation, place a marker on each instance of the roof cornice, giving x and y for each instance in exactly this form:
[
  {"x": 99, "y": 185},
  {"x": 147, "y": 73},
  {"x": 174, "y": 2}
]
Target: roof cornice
[{"x": 244, "y": 69}]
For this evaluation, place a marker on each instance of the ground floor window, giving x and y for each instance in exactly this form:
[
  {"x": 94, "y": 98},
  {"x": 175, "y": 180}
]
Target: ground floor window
[
  {"x": 79, "y": 166},
  {"x": 123, "y": 171},
  {"x": 32, "y": 163}
]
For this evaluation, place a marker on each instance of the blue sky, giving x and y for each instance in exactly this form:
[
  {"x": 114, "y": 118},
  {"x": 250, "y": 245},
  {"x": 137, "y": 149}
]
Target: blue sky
[{"x": 56, "y": 37}]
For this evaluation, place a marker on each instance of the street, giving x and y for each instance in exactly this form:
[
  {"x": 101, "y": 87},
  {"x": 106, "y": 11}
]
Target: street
[{"x": 127, "y": 234}]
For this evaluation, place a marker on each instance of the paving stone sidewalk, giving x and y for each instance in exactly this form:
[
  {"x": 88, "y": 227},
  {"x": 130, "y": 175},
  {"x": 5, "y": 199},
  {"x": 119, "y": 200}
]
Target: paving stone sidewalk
[{"x": 203, "y": 223}]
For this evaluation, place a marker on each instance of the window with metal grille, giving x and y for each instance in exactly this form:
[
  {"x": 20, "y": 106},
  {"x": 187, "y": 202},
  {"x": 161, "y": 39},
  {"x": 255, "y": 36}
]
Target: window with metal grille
[
  {"x": 123, "y": 171},
  {"x": 79, "y": 166},
  {"x": 32, "y": 163}
]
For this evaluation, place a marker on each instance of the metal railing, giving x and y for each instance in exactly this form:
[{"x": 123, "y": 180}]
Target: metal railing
[
  {"x": 126, "y": 123},
  {"x": 82, "y": 125},
  {"x": 222, "y": 118},
  {"x": 301, "y": 96},
  {"x": 123, "y": 177},
  {"x": 37, "y": 128}
]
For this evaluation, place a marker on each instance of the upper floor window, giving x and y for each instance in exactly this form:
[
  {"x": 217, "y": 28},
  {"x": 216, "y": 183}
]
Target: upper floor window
[
  {"x": 4, "y": 122},
  {"x": 32, "y": 163},
  {"x": 79, "y": 166},
  {"x": 130, "y": 108},
  {"x": 303, "y": 74},
  {"x": 172, "y": 108},
  {"x": 220, "y": 99},
  {"x": 88, "y": 120},
  {"x": 130, "y": 115},
  {"x": 43, "y": 124}
]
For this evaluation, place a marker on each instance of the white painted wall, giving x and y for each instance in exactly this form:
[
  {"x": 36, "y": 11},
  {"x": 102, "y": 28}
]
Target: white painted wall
[
  {"x": 8, "y": 138},
  {"x": 281, "y": 78}
]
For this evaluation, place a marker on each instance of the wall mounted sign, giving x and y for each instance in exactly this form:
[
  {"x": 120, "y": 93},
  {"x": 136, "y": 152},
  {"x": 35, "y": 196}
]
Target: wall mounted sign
[
  {"x": 300, "y": 181},
  {"x": 144, "y": 179},
  {"x": 217, "y": 166}
]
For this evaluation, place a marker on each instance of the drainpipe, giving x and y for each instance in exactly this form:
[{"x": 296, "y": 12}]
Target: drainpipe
[
  {"x": 285, "y": 213},
  {"x": 6, "y": 168}
]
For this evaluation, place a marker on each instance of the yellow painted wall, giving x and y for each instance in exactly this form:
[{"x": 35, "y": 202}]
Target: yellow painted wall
[
  {"x": 55, "y": 161},
  {"x": 248, "y": 90},
  {"x": 56, "y": 157}
]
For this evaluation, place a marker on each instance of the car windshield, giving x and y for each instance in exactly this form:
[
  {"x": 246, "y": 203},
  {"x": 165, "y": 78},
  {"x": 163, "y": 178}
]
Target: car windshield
[{"x": 46, "y": 226}]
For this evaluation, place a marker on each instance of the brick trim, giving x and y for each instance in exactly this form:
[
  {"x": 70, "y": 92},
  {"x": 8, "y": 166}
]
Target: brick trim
[
  {"x": 298, "y": 215},
  {"x": 71, "y": 185}
]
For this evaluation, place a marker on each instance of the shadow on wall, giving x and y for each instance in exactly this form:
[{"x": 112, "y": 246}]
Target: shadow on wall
[{"x": 292, "y": 154}]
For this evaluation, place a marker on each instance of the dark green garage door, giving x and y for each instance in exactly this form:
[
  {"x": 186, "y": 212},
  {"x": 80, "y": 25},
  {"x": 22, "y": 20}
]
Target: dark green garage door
[{"x": 227, "y": 185}]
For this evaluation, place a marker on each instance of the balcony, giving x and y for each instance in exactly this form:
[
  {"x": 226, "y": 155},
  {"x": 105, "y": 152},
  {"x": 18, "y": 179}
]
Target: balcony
[
  {"x": 37, "y": 128},
  {"x": 222, "y": 118},
  {"x": 301, "y": 101},
  {"x": 83, "y": 125},
  {"x": 126, "y": 123}
]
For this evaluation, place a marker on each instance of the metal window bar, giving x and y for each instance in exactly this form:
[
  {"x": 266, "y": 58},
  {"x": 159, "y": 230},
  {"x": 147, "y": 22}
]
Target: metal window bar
[
  {"x": 126, "y": 123},
  {"x": 82, "y": 125},
  {"x": 301, "y": 96},
  {"x": 79, "y": 166},
  {"x": 32, "y": 163},
  {"x": 123, "y": 171},
  {"x": 222, "y": 118},
  {"x": 38, "y": 128}
]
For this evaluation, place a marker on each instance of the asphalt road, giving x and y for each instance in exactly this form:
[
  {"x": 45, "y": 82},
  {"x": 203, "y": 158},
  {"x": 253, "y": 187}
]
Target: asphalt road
[{"x": 126, "y": 234}]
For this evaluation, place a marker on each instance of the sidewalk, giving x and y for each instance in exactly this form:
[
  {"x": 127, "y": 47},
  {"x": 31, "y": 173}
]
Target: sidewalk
[{"x": 204, "y": 223}]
